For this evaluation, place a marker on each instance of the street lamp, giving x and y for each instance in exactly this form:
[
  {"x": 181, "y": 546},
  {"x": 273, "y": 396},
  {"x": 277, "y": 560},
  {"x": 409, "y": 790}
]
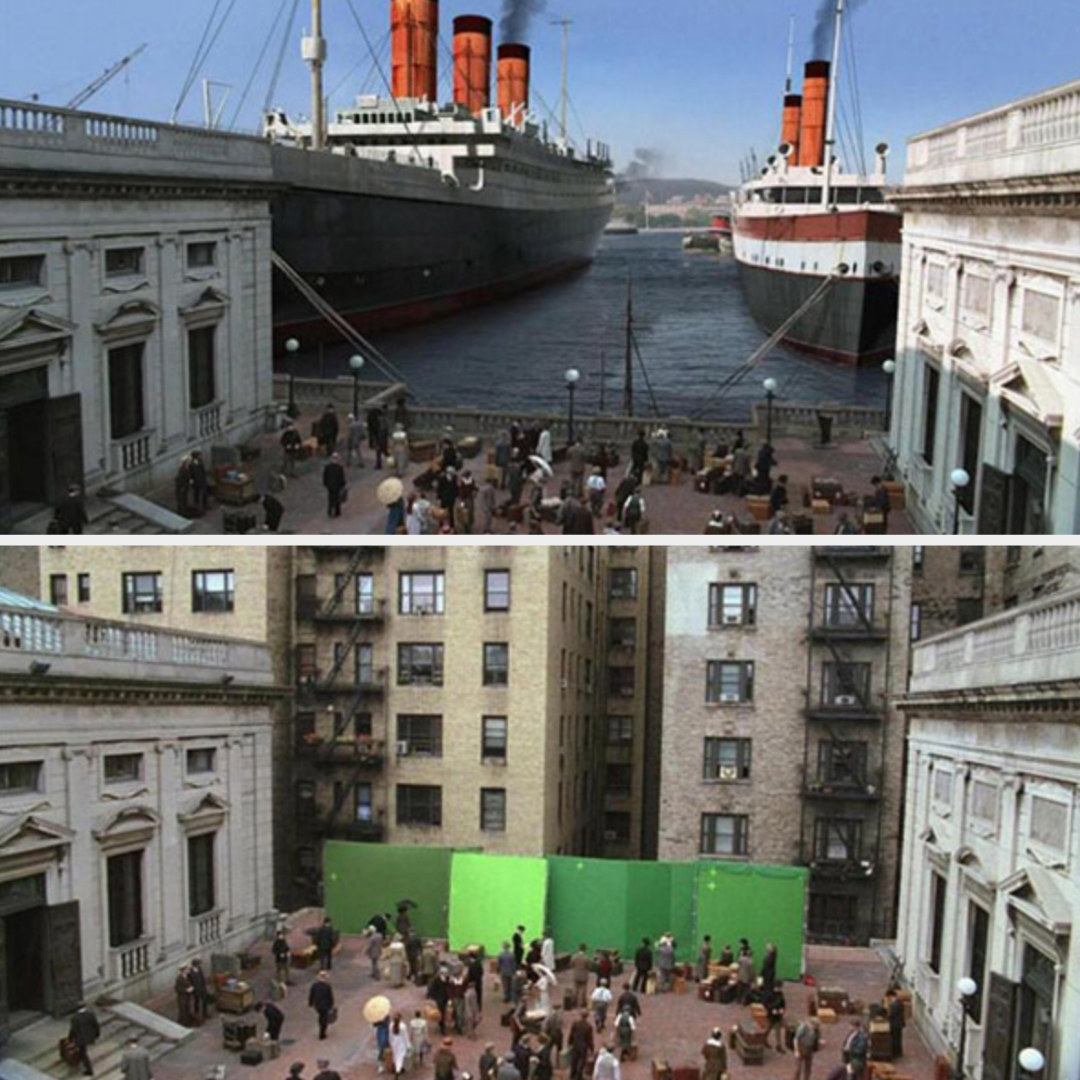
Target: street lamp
[
  {"x": 292, "y": 347},
  {"x": 356, "y": 365},
  {"x": 889, "y": 367},
  {"x": 572, "y": 376},
  {"x": 1031, "y": 1062},
  {"x": 770, "y": 393},
  {"x": 967, "y": 988},
  {"x": 960, "y": 480}
]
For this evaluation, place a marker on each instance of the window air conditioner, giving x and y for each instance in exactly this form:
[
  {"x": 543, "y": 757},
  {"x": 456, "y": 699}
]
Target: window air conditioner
[
  {"x": 402, "y": 748},
  {"x": 845, "y": 699},
  {"x": 729, "y": 772},
  {"x": 727, "y": 698}
]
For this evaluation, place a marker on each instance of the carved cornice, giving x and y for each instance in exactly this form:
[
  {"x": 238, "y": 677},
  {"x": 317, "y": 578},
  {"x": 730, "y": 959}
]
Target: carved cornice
[
  {"x": 1059, "y": 702},
  {"x": 56, "y": 689},
  {"x": 27, "y": 185},
  {"x": 1057, "y": 197}
]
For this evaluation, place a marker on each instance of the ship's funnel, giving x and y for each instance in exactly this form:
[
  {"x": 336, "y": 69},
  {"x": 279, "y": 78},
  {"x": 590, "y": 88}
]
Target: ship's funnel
[
  {"x": 513, "y": 81},
  {"x": 814, "y": 113},
  {"x": 472, "y": 62},
  {"x": 792, "y": 125},
  {"x": 414, "y": 28}
]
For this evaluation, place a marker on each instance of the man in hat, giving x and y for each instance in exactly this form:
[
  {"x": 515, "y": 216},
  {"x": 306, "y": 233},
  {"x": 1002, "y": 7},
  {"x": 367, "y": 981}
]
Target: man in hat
[
  {"x": 295, "y": 1069},
  {"x": 445, "y": 1063},
  {"x": 185, "y": 996},
  {"x": 488, "y": 1064},
  {"x": 135, "y": 1062},
  {"x": 282, "y": 956},
  {"x": 325, "y": 1072},
  {"x": 201, "y": 992},
  {"x": 321, "y": 999},
  {"x": 83, "y": 1032},
  {"x": 506, "y": 965},
  {"x": 581, "y": 1045},
  {"x": 715, "y": 1054}
]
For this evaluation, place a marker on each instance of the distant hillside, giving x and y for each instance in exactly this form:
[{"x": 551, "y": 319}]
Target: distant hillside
[{"x": 631, "y": 192}]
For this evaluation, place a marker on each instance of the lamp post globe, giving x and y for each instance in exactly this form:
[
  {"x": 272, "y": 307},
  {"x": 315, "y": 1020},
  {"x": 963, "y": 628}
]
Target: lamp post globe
[
  {"x": 1031, "y": 1060},
  {"x": 967, "y": 987},
  {"x": 960, "y": 479},
  {"x": 770, "y": 393},
  {"x": 292, "y": 345},
  {"x": 889, "y": 368},
  {"x": 572, "y": 376},
  {"x": 356, "y": 365}
]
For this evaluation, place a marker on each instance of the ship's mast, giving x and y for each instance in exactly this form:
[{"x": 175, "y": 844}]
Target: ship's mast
[
  {"x": 314, "y": 50},
  {"x": 628, "y": 385},
  {"x": 565, "y": 23},
  {"x": 834, "y": 93},
  {"x": 790, "y": 54}
]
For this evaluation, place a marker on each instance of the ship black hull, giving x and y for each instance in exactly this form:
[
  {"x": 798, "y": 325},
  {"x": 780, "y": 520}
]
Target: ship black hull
[{"x": 854, "y": 323}]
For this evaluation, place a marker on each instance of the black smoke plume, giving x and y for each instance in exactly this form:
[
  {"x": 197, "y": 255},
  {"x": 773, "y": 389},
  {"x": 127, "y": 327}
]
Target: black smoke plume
[
  {"x": 825, "y": 25},
  {"x": 514, "y": 24}
]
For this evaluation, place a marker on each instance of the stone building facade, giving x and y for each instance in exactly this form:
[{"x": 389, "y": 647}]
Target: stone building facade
[
  {"x": 135, "y": 804},
  {"x": 779, "y": 742},
  {"x": 989, "y": 881},
  {"x": 135, "y": 309},
  {"x": 988, "y": 348}
]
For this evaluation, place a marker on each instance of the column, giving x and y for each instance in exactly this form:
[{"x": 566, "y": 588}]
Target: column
[{"x": 167, "y": 880}]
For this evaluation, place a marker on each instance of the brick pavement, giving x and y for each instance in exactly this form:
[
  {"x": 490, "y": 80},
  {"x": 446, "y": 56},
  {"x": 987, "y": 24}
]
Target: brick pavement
[{"x": 673, "y": 1026}]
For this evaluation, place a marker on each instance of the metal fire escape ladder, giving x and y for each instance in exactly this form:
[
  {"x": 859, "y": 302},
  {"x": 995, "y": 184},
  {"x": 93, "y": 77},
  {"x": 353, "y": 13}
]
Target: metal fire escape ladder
[
  {"x": 339, "y": 661},
  {"x": 846, "y": 586},
  {"x": 351, "y": 572}
]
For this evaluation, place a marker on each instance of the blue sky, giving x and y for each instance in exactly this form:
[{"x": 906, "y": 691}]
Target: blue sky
[{"x": 698, "y": 80}]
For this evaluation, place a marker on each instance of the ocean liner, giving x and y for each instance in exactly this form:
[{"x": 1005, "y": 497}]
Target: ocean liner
[
  {"x": 818, "y": 249},
  {"x": 401, "y": 209}
]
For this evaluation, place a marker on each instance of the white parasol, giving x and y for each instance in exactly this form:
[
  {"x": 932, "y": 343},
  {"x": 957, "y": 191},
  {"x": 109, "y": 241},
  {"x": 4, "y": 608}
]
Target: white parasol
[{"x": 390, "y": 491}]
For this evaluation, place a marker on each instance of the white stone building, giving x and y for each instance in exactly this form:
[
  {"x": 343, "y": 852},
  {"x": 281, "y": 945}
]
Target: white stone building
[
  {"x": 135, "y": 311},
  {"x": 988, "y": 348},
  {"x": 990, "y": 873},
  {"x": 135, "y": 804}
]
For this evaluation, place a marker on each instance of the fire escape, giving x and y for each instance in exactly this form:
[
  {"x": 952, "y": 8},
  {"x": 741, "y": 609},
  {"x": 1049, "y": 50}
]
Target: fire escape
[{"x": 845, "y": 709}]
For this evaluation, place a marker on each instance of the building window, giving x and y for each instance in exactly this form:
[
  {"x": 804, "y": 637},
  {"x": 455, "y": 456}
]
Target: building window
[
  {"x": 202, "y": 255},
  {"x": 305, "y": 800},
  {"x": 618, "y": 780},
  {"x": 728, "y": 682},
  {"x": 142, "y": 593},
  {"x": 620, "y": 730},
  {"x": 200, "y": 874},
  {"x": 844, "y": 684},
  {"x": 935, "y": 281},
  {"x": 937, "y": 920},
  {"x": 732, "y": 605},
  {"x": 123, "y": 768},
  {"x": 212, "y": 591},
  {"x": 58, "y": 590},
  {"x": 968, "y": 610},
  {"x": 848, "y": 605},
  {"x": 975, "y": 295},
  {"x": 943, "y": 787},
  {"x": 842, "y": 762},
  {"x": 125, "y": 888},
  {"x": 918, "y": 558},
  {"x": 19, "y": 271},
  {"x": 362, "y": 807},
  {"x": 588, "y": 620},
  {"x": 419, "y": 804},
  {"x": 364, "y": 659},
  {"x": 419, "y": 736},
  {"x": 1042, "y": 315},
  {"x": 916, "y": 622},
  {"x": 727, "y": 759},
  {"x": 305, "y": 663},
  {"x": 833, "y": 916},
  {"x": 20, "y": 777},
  {"x": 617, "y": 826},
  {"x": 621, "y": 681},
  {"x": 623, "y": 583},
  {"x": 837, "y": 840},
  {"x": 971, "y": 419},
  {"x": 493, "y": 809},
  {"x": 494, "y": 739},
  {"x": 496, "y": 590},
  {"x": 978, "y": 939},
  {"x": 201, "y": 380},
  {"x": 420, "y": 665},
  {"x": 365, "y": 594},
  {"x": 202, "y": 759},
  {"x": 84, "y": 588},
  {"x": 126, "y": 416},
  {"x": 422, "y": 594},
  {"x": 1049, "y": 823},
  {"x": 124, "y": 262},
  {"x": 972, "y": 560},
  {"x": 496, "y": 664},
  {"x": 623, "y": 633},
  {"x": 931, "y": 393},
  {"x": 724, "y": 834},
  {"x": 984, "y": 799}
]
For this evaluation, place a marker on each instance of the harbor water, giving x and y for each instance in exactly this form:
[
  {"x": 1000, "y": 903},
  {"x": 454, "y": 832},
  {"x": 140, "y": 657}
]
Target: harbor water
[{"x": 691, "y": 326}]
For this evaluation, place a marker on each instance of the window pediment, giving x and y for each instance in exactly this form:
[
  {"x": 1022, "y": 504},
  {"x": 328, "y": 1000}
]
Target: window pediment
[
  {"x": 1033, "y": 892},
  {"x": 31, "y": 835},
  {"x": 209, "y": 812},
  {"x": 133, "y": 824},
  {"x": 131, "y": 318},
  {"x": 36, "y": 330},
  {"x": 211, "y": 304},
  {"x": 1028, "y": 387}
]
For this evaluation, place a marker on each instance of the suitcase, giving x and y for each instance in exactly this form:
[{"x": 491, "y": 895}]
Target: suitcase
[
  {"x": 251, "y": 1057},
  {"x": 661, "y": 1070},
  {"x": 69, "y": 1051}
]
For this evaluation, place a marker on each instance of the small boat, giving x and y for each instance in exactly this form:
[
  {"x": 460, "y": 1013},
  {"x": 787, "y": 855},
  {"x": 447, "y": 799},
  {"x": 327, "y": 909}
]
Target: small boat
[{"x": 621, "y": 228}]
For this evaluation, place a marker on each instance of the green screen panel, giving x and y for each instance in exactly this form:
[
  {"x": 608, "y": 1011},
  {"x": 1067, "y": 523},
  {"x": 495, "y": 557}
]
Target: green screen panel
[
  {"x": 760, "y": 903},
  {"x": 362, "y": 879},
  {"x": 648, "y": 888},
  {"x": 587, "y": 901},
  {"x": 491, "y": 894},
  {"x": 682, "y": 892}
]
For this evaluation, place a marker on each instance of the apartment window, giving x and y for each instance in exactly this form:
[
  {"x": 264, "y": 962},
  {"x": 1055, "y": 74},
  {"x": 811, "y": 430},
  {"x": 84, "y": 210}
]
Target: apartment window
[
  {"x": 620, "y": 730},
  {"x": 365, "y": 594},
  {"x": 362, "y": 806},
  {"x": 918, "y": 558},
  {"x": 724, "y": 834},
  {"x": 845, "y": 684},
  {"x": 623, "y": 583},
  {"x": 833, "y": 916},
  {"x": 125, "y": 892},
  {"x": 978, "y": 939},
  {"x": 623, "y": 633},
  {"x": 837, "y": 840},
  {"x": 588, "y": 620},
  {"x": 621, "y": 681},
  {"x": 422, "y": 594},
  {"x": 564, "y": 594},
  {"x": 496, "y": 590},
  {"x": 305, "y": 663},
  {"x": 124, "y": 262},
  {"x": 202, "y": 759},
  {"x": 201, "y": 255},
  {"x": 419, "y": 804},
  {"x": 618, "y": 780},
  {"x": 200, "y": 874},
  {"x": 972, "y": 560},
  {"x": 729, "y": 682},
  {"x": 364, "y": 658},
  {"x": 20, "y": 777},
  {"x": 420, "y": 736},
  {"x": 968, "y": 610},
  {"x": 937, "y": 920},
  {"x": 122, "y": 768},
  {"x": 848, "y": 605},
  {"x": 201, "y": 379},
  {"x": 420, "y": 665},
  {"x": 842, "y": 762},
  {"x": 916, "y": 622},
  {"x": 213, "y": 590},
  {"x": 493, "y": 809},
  {"x": 361, "y": 725},
  {"x": 931, "y": 393},
  {"x": 18, "y": 271},
  {"x": 58, "y": 589},
  {"x": 142, "y": 593},
  {"x": 732, "y": 605},
  {"x": 727, "y": 759},
  {"x": 496, "y": 664},
  {"x": 126, "y": 415},
  {"x": 494, "y": 738},
  {"x": 84, "y": 588},
  {"x": 971, "y": 421},
  {"x": 305, "y": 800},
  {"x": 617, "y": 826},
  {"x": 307, "y": 603}
]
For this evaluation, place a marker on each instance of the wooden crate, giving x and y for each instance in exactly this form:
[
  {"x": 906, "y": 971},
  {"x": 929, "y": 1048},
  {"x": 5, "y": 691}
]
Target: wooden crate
[
  {"x": 758, "y": 507},
  {"x": 821, "y": 506},
  {"x": 826, "y": 1016},
  {"x": 661, "y": 1070},
  {"x": 760, "y": 1016}
]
